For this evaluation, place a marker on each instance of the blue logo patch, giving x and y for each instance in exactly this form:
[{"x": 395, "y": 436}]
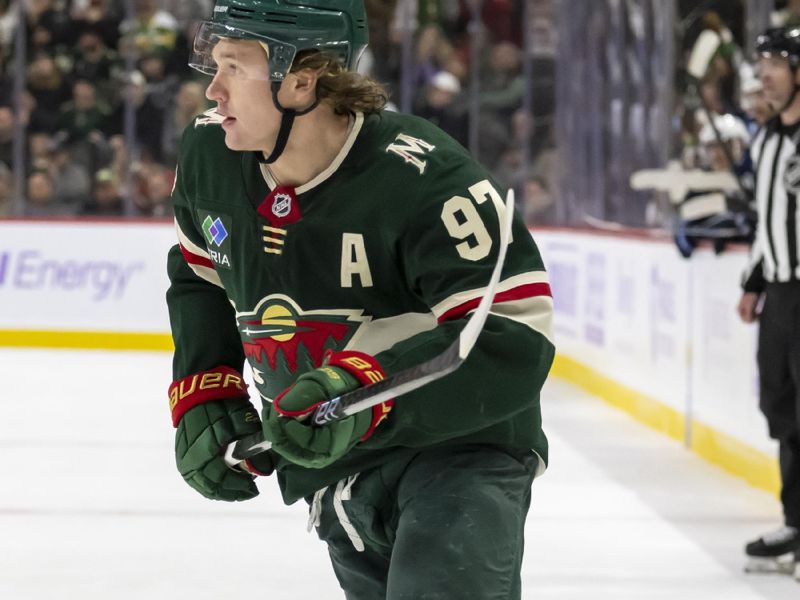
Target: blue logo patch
[{"x": 214, "y": 231}]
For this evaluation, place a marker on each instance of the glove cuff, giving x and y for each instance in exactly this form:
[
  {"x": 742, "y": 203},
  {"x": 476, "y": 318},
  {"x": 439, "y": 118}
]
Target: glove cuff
[
  {"x": 219, "y": 383},
  {"x": 366, "y": 369}
]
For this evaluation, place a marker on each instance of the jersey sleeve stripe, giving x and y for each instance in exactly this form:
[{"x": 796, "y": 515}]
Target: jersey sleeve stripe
[
  {"x": 195, "y": 259},
  {"x": 536, "y": 312},
  {"x": 189, "y": 246},
  {"x": 198, "y": 259},
  {"x": 457, "y": 305},
  {"x": 202, "y": 267},
  {"x": 530, "y": 290}
]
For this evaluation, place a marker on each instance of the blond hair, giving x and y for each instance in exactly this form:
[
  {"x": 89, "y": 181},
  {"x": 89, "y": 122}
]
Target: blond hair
[{"x": 346, "y": 91}]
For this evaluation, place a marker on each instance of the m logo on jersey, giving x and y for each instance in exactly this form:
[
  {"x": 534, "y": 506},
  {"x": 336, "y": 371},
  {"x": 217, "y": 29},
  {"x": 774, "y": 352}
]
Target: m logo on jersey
[
  {"x": 280, "y": 338},
  {"x": 218, "y": 237},
  {"x": 791, "y": 175},
  {"x": 407, "y": 148}
]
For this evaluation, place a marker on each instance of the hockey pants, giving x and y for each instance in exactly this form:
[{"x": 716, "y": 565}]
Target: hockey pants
[
  {"x": 779, "y": 372},
  {"x": 446, "y": 524}
]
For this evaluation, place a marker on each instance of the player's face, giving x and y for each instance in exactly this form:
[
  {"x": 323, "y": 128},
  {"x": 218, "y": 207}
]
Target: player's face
[
  {"x": 243, "y": 95},
  {"x": 777, "y": 79}
]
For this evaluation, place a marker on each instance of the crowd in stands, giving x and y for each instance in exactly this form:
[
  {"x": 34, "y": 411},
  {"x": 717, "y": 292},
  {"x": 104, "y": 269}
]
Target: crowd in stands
[
  {"x": 107, "y": 94},
  {"x": 720, "y": 117}
]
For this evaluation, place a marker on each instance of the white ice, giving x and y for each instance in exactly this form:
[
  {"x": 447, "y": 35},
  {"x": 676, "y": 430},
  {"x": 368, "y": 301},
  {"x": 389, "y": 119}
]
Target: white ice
[{"x": 91, "y": 507}]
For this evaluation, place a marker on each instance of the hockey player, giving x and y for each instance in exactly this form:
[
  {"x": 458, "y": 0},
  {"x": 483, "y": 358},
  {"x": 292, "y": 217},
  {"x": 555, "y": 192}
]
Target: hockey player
[
  {"x": 774, "y": 277},
  {"x": 716, "y": 215},
  {"x": 328, "y": 244}
]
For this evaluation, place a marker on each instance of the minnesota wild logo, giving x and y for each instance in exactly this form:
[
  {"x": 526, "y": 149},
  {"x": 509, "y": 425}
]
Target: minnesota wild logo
[{"x": 279, "y": 337}]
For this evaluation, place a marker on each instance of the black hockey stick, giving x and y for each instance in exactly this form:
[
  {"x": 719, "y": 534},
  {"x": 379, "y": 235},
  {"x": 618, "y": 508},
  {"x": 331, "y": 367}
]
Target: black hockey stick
[{"x": 403, "y": 381}]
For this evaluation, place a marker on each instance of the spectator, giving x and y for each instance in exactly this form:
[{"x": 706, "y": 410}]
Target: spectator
[
  {"x": 49, "y": 90},
  {"x": 505, "y": 84},
  {"x": 41, "y": 200},
  {"x": 84, "y": 114},
  {"x": 98, "y": 16},
  {"x": 106, "y": 200},
  {"x": 149, "y": 118},
  {"x": 439, "y": 107},
  {"x": 94, "y": 61},
  {"x": 185, "y": 12},
  {"x": 39, "y": 145},
  {"x": 433, "y": 51},
  {"x": 152, "y": 189},
  {"x": 754, "y": 102},
  {"x": 503, "y": 20},
  {"x": 161, "y": 87},
  {"x": 735, "y": 137},
  {"x": 151, "y": 31},
  {"x": 8, "y": 26},
  {"x": 71, "y": 182},
  {"x": 789, "y": 16},
  {"x": 7, "y": 127},
  {"x": 49, "y": 26},
  {"x": 379, "y": 58},
  {"x": 190, "y": 102},
  {"x": 6, "y": 191}
]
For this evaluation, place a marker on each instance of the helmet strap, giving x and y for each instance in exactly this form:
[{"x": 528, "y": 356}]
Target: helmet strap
[{"x": 287, "y": 120}]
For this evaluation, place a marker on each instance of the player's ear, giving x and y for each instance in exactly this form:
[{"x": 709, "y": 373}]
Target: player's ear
[{"x": 304, "y": 86}]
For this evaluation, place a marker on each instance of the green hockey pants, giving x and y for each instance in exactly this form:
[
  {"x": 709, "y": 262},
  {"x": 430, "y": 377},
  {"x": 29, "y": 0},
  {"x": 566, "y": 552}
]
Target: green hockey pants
[{"x": 446, "y": 524}]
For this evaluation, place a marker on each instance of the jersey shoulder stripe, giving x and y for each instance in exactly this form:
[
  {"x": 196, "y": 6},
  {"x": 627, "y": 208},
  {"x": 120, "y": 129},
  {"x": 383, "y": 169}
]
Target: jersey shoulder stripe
[
  {"x": 526, "y": 297},
  {"x": 198, "y": 259}
]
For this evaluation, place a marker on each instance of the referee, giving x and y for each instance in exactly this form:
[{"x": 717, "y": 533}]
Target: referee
[{"x": 774, "y": 274}]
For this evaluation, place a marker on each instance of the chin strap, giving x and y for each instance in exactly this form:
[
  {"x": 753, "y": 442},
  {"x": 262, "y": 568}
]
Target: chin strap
[{"x": 287, "y": 120}]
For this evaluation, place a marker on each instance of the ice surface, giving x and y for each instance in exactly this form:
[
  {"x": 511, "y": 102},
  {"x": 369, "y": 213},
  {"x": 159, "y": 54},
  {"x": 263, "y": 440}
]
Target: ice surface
[{"x": 91, "y": 507}]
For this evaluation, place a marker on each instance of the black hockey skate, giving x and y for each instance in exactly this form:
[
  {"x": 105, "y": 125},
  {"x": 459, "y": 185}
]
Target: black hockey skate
[{"x": 775, "y": 552}]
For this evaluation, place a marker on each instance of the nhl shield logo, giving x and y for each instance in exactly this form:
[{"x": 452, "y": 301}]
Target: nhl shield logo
[
  {"x": 282, "y": 205},
  {"x": 791, "y": 175}
]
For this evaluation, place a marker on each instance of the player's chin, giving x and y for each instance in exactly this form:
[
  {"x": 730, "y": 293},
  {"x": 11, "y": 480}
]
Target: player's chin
[{"x": 234, "y": 142}]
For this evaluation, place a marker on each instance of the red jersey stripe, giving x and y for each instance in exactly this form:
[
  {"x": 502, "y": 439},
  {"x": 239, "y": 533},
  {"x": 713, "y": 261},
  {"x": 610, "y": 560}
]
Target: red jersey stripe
[
  {"x": 530, "y": 290},
  {"x": 195, "y": 259}
]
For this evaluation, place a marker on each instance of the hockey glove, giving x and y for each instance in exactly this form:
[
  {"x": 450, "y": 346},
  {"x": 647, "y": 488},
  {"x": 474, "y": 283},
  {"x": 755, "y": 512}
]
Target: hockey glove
[
  {"x": 288, "y": 424},
  {"x": 210, "y": 410}
]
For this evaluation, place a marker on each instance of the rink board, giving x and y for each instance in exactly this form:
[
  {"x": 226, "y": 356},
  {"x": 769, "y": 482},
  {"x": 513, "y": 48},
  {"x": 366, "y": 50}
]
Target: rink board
[
  {"x": 78, "y": 284},
  {"x": 637, "y": 325},
  {"x": 658, "y": 336}
]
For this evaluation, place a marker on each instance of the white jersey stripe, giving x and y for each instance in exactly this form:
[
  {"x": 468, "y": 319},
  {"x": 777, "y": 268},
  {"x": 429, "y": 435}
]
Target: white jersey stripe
[
  {"x": 189, "y": 244},
  {"x": 536, "y": 313},
  {"x": 381, "y": 334}
]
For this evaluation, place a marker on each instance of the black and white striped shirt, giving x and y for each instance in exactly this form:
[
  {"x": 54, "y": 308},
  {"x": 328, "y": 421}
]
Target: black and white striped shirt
[{"x": 775, "y": 256}]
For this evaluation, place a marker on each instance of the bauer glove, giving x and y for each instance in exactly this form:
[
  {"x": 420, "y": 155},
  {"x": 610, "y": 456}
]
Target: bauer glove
[
  {"x": 210, "y": 410},
  {"x": 288, "y": 425}
]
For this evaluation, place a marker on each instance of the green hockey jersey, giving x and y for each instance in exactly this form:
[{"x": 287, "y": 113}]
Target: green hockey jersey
[{"x": 385, "y": 252}]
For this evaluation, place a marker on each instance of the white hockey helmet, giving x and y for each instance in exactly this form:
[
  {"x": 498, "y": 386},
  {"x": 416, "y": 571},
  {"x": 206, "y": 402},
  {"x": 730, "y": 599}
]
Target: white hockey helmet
[{"x": 730, "y": 128}]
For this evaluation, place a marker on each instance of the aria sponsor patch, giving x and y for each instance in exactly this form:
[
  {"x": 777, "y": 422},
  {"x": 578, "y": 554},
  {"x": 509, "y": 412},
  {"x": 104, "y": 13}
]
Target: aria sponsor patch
[{"x": 217, "y": 232}]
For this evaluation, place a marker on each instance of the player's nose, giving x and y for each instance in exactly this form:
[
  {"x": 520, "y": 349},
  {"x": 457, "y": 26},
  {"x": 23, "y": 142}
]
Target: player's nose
[{"x": 215, "y": 90}]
